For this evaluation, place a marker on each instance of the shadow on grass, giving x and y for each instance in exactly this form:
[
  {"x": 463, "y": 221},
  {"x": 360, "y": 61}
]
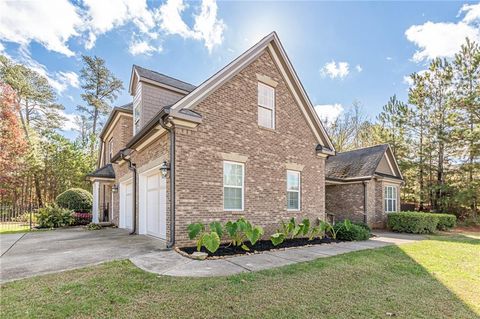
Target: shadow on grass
[{"x": 372, "y": 283}]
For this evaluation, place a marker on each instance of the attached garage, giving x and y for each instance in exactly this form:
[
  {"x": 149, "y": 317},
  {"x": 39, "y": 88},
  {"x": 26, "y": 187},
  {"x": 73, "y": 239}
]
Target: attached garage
[
  {"x": 153, "y": 204},
  {"x": 126, "y": 205}
]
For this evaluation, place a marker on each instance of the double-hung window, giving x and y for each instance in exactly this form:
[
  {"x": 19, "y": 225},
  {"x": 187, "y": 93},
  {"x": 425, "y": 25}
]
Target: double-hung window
[
  {"x": 266, "y": 106},
  {"x": 390, "y": 198},
  {"x": 110, "y": 149},
  {"x": 293, "y": 190},
  {"x": 233, "y": 184}
]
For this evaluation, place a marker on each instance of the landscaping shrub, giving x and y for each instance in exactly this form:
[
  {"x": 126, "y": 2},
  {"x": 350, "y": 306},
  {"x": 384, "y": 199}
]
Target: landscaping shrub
[
  {"x": 446, "y": 221},
  {"x": 82, "y": 218},
  {"x": 363, "y": 225},
  {"x": 76, "y": 199},
  {"x": 93, "y": 226},
  {"x": 54, "y": 216},
  {"x": 351, "y": 232},
  {"x": 412, "y": 222}
]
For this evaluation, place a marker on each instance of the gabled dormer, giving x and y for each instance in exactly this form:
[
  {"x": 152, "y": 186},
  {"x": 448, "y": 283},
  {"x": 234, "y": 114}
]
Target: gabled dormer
[{"x": 151, "y": 92}]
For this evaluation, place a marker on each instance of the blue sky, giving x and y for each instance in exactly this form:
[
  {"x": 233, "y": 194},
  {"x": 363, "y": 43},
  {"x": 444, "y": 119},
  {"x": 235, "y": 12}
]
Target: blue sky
[{"x": 342, "y": 51}]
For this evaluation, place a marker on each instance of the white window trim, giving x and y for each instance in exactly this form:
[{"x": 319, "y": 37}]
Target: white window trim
[
  {"x": 395, "y": 198},
  {"x": 242, "y": 187},
  {"x": 110, "y": 149},
  {"x": 272, "y": 108},
  {"x": 299, "y": 191}
]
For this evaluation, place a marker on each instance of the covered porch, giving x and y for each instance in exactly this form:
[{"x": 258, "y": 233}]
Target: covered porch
[{"x": 103, "y": 188}]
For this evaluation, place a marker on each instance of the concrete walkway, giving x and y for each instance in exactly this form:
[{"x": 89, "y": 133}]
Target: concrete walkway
[{"x": 171, "y": 263}]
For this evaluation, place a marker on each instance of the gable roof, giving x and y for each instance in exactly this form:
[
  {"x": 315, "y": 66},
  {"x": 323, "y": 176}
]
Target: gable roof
[
  {"x": 358, "y": 164},
  {"x": 143, "y": 73},
  {"x": 272, "y": 43},
  {"x": 126, "y": 109},
  {"x": 103, "y": 172}
]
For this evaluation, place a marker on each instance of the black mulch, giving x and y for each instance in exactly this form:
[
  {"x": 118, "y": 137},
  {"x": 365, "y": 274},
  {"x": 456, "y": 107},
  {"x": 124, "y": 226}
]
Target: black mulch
[{"x": 261, "y": 245}]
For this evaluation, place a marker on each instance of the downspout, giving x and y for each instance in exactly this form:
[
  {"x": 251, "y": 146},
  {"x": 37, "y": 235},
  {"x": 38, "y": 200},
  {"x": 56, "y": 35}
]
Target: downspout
[
  {"x": 133, "y": 168},
  {"x": 365, "y": 202},
  {"x": 171, "y": 129}
]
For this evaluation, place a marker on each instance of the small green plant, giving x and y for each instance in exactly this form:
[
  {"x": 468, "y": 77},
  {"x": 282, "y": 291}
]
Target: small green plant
[
  {"x": 242, "y": 230},
  {"x": 333, "y": 231},
  {"x": 208, "y": 239},
  {"x": 318, "y": 231},
  {"x": 277, "y": 238},
  {"x": 54, "y": 216},
  {"x": 93, "y": 226}
]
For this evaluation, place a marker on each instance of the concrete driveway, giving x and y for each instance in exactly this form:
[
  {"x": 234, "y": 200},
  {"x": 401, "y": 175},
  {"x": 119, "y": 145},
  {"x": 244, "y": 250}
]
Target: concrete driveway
[{"x": 35, "y": 253}]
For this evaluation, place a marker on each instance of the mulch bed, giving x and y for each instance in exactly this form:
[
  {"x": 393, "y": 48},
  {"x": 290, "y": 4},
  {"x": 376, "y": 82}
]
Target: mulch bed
[{"x": 226, "y": 250}]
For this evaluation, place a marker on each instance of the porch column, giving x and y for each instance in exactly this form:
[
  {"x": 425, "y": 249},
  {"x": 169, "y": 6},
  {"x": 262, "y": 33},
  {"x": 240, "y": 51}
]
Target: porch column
[{"x": 96, "y": 201}]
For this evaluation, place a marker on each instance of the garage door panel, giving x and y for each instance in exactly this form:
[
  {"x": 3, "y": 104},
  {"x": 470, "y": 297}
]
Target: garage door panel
[{"x": 153, "y": 207}]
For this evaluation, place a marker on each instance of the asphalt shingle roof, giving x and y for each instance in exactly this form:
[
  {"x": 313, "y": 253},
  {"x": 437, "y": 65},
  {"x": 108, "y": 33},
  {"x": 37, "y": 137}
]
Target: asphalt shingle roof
[
  {"x": 355, "y": 164},
  {"x": 103, "y": 172},
  {"x": 165, "y": 79}
]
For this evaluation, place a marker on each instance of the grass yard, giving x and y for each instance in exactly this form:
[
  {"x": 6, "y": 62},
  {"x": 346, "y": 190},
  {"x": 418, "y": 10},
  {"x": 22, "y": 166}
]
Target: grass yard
[
  {"x": 435, "y": 278},
  {"x": 10, "y": 228}
]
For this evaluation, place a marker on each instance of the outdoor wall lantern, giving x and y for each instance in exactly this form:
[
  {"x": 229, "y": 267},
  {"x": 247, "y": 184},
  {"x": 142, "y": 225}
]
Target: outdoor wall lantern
[
  {"x": 114, "y": 188},
  {"x": 164, "y": 168}
]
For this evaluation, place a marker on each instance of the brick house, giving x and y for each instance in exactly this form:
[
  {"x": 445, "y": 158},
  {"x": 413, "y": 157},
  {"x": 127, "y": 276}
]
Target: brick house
[{"x": 246, "y": 142}]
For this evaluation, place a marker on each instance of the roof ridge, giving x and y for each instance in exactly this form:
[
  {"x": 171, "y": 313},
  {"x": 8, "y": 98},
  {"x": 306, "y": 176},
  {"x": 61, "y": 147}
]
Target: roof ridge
[
  {"x": 163, "y": 74},
  {"x": 364, "y": 148}
]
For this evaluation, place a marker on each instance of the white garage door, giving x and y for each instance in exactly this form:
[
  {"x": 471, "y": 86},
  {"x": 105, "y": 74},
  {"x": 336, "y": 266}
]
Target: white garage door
[
  {"x": 126, "y": 205},
  {"x": 153, "y": 204}
]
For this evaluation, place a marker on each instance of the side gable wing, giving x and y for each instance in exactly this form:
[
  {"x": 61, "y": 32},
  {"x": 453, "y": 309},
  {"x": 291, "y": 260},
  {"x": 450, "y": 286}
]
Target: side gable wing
[
  {"x": 388, "y": 164},
  {"x": 273, "y": 45}
]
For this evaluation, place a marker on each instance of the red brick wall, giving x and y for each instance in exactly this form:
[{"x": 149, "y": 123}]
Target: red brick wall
[{"x": 230, "y": 126}]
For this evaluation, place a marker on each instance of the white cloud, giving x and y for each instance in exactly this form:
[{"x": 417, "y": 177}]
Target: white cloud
[
  {"x": 358, "y": 68},
  {"x": 59, "y": 81},
  {"x": 389, "y": 58},
  {"x": 443, "y": 39},
  {"x": 138, "y": 47},
  {"x": 70, "y": 78},
  {"x": 472, "y": 12},
  {"x": 71, "y": 121},
  {"x": 207, "y": 26},
  {"x": 103, "y": 16},
  {"x": 407, "y": 79},
  {"x": 328, "y": 112},
  {"x": 51, "y": 24},
  {"x": 170, "y": 17},
  {"x": 335, "y": 70}
]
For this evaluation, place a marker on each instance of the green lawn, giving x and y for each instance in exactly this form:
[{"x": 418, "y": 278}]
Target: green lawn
[
  {"x": 436, "y": 278},
  {"x": 9, "y": 228}
]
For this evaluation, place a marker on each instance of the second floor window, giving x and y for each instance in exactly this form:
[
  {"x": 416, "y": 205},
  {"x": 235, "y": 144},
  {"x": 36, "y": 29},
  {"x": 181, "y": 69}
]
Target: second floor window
[
  {"x": 266, "y": 106},
  {"x": 110, "y": 149},
  {"x": 136, "y": 118}
]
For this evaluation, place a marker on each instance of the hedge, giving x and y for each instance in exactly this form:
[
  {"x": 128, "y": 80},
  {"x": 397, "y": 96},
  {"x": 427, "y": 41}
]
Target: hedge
[
  {"x": 446, "y": 221},
  {"x": 76, "y": 199},
  {"x": 412, "y": 222},
  {"x": 420, "y": 223},
  {"x": 351, "y": 233}
]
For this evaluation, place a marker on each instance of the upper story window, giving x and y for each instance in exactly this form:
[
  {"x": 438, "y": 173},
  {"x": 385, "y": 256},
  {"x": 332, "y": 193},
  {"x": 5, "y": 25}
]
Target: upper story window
[
  {"x": 233, "y": 182},
  {"x": 266, "y": 106},
  {"x": 136, "y": 118},
  {"x": 390, "y": 199},
  {"x": 293, "y": 190},
  {"x": 110, "y": 149}
]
